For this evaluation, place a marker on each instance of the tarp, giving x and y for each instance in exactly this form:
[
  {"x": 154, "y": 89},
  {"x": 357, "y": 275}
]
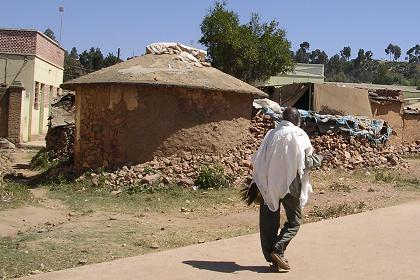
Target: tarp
[
  {"x": 290, "y": 94},
  {"x": 341, "y": 100},
  {"x": 187, "y": 54},
  {"x": 377, "y": 131}
]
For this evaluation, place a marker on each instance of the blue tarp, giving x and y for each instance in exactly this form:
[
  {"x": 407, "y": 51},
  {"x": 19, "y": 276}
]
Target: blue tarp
[{"x": 373, "y": 130}]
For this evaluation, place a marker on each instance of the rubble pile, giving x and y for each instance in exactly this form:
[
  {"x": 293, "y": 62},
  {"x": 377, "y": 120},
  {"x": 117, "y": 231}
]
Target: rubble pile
[
  {"x": 348, "y": 152},
  {"x": 181, "y": 169}
]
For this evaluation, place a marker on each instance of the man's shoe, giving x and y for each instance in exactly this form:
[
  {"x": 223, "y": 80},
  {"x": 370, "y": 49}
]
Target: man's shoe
[{"x": 280, "y": 260}]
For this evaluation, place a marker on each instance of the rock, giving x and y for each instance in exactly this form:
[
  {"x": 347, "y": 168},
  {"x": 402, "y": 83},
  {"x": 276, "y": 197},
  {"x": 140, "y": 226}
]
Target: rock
[
  {"x": 187, "y": 182},
  {"x": 393, "y": 160},
  {"x": 201, "y": 241},
  {"x": 112, "y": 218},
  {"x": 35, "y": 272},
  {"x": 82, "y": 261},
  {"x": 154, "y": 246},
  {"x": 150, "y": 179},
  {"x": 116, "y": 192},
  {"x": 186, "y": 156},
  {"x": 184, "y": 209},
  {"x": 6, "y": 144}
]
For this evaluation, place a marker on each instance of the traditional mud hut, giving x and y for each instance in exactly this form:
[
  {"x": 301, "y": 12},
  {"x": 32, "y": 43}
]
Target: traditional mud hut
[{"x": 157, "y": 104}]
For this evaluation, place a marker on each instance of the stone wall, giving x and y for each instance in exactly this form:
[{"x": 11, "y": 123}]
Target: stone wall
[
  {"x": 118, "y": 125},
  {"x": 15, "y": 114}
]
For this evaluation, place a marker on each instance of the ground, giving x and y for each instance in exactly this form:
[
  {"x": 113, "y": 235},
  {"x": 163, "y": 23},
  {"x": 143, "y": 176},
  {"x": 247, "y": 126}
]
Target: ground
[{"x": 62, "y": 225}]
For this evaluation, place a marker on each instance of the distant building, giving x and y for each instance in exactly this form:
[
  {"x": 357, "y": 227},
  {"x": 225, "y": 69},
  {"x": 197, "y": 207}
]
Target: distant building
[
  {"x": 34, "y": 63},
  {"x": 303, "y": 73}
]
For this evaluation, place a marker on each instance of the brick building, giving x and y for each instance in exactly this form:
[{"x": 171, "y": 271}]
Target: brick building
[{"x": 33, "y": 63}]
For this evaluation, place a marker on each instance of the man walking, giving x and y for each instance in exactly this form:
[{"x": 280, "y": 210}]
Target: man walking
[{"x": 280, "y": 172}]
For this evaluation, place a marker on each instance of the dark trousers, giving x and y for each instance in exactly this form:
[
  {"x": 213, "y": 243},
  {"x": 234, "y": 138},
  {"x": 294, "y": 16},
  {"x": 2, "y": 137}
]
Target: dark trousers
[{"x": 270, "y": 224}]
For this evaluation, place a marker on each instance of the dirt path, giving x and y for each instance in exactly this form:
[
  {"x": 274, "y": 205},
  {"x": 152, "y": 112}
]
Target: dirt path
[
  {"x": 380, "y": 244},
  {"x": 46, "y": 212}
]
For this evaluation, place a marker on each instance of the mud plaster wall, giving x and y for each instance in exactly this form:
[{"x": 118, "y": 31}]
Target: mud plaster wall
[
  {"x": 4, "y": 104},
  {"x": 131, "y": 124},
  {"x": 411, "y": 128},
  {"x": 390, "y": 111}
]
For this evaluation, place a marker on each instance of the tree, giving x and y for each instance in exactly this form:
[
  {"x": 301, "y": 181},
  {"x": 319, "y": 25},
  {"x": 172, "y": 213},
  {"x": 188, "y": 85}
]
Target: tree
[
  {"x": 49, "y": 33},
  {"x": 110, "y": 60},
  {"x": 382, "y": 76},
  {"x": 73, "y": 53},
  {"x": 252, "y": 51},
  {"x": 397, "y": 52},
  {"x": 369, "y": 55},
  {"x": 413, "y": 54},
  {"x": 92, "y": 60},
  {"x": 394, "y": 50},
  {"x": 318, "y": 57},
  {"x": 302, "y": 54},
  {"x": 346, "y": 53},
  {"x": 72, "y": 66}
]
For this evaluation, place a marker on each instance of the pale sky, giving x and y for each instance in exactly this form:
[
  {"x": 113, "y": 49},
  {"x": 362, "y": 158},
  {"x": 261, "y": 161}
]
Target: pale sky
[{"x": 131, "y": 25}]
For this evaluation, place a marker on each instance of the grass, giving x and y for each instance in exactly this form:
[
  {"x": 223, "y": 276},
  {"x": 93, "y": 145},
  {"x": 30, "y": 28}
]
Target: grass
[
  {"x": 13, "y": 195},
  {"x": 80, "y": 196},
  {"x": 335, "y": 211},
  {"x": 397, "y": 179},
  {"x": 63, "y": 248}
]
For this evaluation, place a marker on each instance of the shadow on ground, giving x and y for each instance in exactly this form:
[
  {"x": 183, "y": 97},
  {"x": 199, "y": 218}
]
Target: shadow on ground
[{"x": 226, "y": 267}]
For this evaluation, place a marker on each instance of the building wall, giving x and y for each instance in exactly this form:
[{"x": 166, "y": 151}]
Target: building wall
[
  {"x": 116, "y": 125},
  {"x": 390, "y": 111},
  {"x": 411, "y": 128},
  {"x": 43, "y": 66},
  {"x": 31, "y": 42},
  {"x": 17, "y": 41},
  {"x": 4, "y": 111}
]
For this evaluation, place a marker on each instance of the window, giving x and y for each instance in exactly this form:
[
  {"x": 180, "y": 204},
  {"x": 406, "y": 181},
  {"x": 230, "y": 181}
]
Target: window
[{"x": 36, "y": 96}]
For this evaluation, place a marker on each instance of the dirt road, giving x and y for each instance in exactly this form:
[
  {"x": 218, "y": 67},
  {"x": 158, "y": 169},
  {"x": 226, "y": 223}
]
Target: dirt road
[{"x": 381, "y": 244}]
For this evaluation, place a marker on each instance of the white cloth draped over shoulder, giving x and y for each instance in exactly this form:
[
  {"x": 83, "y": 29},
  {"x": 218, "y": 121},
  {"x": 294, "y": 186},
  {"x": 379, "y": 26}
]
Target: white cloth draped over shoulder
[{"x": 279, "y": 159}]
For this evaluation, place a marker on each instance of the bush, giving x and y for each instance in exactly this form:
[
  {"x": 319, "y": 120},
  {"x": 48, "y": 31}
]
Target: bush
[
  {"x": 213, "y": 176},
  {"x": 41, "y": 160}
]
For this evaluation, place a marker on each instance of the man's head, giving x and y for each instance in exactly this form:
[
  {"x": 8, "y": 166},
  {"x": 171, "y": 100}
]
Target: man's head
[{"x": 292, "y": 115}]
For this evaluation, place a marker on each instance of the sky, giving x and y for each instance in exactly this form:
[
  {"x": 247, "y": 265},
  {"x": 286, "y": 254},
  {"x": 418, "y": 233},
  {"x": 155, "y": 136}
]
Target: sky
[{"x": 132, "y": 24}]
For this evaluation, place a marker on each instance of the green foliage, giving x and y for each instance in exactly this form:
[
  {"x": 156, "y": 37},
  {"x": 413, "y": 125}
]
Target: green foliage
[
  {"x": 251, "y": 51},
  {"x": 213, "y": 176},
  {"x": 393, "y": 50},
  {"x": 76, "y": 65},
  {"x": 50, "y": 34},
  {"x": 318, "y": 57},
  {"x": 42, "y": 160},
  {"x": 346, "y": 53},
  {"x": 302, "y": 54},
  {"x": 110, "y": 60}
]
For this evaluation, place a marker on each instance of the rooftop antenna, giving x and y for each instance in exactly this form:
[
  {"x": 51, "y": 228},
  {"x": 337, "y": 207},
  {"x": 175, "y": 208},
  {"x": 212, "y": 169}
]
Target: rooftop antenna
[{"x": 61, "y": 10}]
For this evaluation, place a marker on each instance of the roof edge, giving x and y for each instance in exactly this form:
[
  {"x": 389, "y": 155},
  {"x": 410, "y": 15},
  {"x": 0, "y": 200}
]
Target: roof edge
[{"x": 73, "y": 86}]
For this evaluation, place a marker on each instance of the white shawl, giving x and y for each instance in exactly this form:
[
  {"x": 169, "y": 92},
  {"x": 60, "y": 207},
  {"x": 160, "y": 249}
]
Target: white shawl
[{"x": 279, "y": 159}]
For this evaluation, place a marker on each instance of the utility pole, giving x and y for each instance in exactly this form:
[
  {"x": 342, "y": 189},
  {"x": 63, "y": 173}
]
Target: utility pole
[
  {"x": 61, "y": 10},
  {"x": 118, "y": 54}
]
